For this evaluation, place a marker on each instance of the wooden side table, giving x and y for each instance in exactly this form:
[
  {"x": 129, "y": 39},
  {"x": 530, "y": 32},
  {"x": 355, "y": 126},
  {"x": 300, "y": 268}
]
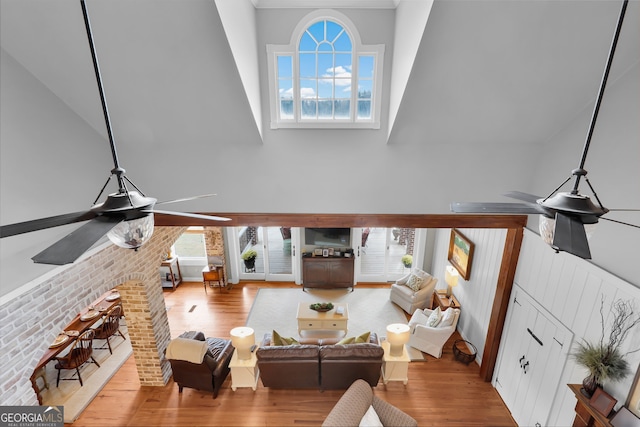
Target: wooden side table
[
  {"x": 244, "y": 373},
  {"x": 170, "y": 263},
  {"x": 440, "y": 299},
  {"x": 395, "y": 368},
  {"x": 215, "y": 275}
]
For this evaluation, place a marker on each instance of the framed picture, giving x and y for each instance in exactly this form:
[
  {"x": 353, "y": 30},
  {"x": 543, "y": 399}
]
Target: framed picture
[
  {"x": 325, "y": 252},
  {"x": 460, "y": 253},
  {"x": 317, "y": 251},
  {"x": 331, "y": 251},
  {"x": 602, "y": 402},
  {"x": 633, "y": 401}
]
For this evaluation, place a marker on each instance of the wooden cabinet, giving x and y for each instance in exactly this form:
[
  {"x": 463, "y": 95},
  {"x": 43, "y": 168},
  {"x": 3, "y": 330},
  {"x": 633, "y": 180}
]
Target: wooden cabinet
[
  {"x": 320, "y": 272},
  {"x": 440, "y": 299},
  {"x": 586, "y": 415}
]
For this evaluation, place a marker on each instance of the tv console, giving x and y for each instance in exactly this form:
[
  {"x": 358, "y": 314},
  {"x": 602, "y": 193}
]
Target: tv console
[{"x": 327, "y": 272}]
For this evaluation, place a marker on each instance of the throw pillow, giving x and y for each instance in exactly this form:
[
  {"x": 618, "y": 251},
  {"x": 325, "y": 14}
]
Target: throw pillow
[
  {"x": 447, "y": 318},
  {"x": 414, "y": 283},
  {"x": 277, "y": 340},
  {"x": 347, "y": 340},
  {"x": 370, "y": 419},
  {"x": 434, "y": 318},
  {"x": 364, "y": 338}
]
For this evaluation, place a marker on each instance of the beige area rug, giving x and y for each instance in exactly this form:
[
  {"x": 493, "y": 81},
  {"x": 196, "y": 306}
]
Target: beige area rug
[
  {"x": 70, "y": 394},
  {"x": 369, "y": 310}
]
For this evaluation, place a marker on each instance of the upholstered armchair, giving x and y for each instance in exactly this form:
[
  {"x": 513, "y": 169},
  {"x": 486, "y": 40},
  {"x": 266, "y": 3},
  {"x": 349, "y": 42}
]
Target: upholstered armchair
[
  {"x": 413, "y": 291},
  {"x": 353, "y": 409},
  {"x": 199, "y": 362},
  {"x": 431, "y": 339}
]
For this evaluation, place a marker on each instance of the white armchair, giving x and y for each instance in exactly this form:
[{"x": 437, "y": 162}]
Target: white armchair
[
  {"x": 419, "y": 297},
  {"x": 430, "y": 339}
]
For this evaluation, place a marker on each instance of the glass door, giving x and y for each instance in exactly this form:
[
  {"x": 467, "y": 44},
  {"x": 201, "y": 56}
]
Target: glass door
[
  {"x": 385, "y": 254},
  {"x": 266, "y": 253}
]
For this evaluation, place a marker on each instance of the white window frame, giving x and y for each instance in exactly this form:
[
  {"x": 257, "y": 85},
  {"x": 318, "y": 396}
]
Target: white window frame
[{"x": 358, "y": 49}]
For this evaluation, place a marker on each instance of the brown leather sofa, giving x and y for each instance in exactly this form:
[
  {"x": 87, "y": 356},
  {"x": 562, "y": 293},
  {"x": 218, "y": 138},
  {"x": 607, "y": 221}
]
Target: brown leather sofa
[
  {"x": 211, "y": 372},
  {"x": 319, "y": 363}
]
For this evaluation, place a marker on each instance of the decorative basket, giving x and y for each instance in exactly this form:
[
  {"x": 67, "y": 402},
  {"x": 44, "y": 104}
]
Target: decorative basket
[{"x": 461, "y": 351}]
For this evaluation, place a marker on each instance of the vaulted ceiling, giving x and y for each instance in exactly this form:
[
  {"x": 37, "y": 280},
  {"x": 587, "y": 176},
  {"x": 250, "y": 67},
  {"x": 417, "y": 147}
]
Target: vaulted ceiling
[{"x": 480, "y": 97}]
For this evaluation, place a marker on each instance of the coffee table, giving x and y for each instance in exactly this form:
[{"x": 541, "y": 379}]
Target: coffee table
[{"x": 311, "y": 320}]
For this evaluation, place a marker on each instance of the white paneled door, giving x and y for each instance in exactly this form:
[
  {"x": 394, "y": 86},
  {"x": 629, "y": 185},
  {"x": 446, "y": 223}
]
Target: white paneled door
[{"x": 534, "y": 350}]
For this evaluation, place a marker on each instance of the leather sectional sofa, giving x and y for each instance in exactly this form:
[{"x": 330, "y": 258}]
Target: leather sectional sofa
[{"x": 319, "y": 363}]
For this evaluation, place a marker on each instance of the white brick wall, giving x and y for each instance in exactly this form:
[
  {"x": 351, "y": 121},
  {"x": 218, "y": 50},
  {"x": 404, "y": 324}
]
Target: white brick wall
[{"x": 32, "y": 320}]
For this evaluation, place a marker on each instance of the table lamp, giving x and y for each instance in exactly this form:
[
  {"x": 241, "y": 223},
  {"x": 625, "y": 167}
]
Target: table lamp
[
  {"x": 242, "y": 339},
  {"x": 451, "y": 278},
  {"x": 397, "y": 336}
]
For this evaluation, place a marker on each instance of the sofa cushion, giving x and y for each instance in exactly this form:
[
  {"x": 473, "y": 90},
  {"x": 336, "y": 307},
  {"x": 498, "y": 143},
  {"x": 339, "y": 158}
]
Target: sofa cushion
[
  {"x": 434, "y": 318},
  {"x": 277, "y": 340},
  {"x": 287, "y": 352},
  {"x": 447, "y": 318},
  {"x": 370, "y": 419},
  {"x": 414, "y": 283},
  {"x": 364, "y": 338},
  {"x": 187, "y": 349},
  {"x": 351, "y": 351}
]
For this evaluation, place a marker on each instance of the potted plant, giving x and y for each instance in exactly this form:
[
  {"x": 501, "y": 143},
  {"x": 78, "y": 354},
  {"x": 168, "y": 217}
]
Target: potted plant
[
  {"x": 604, "y": 360},
  {"x": 407, "y": 260},
  {"x": 249, "y": 258}
]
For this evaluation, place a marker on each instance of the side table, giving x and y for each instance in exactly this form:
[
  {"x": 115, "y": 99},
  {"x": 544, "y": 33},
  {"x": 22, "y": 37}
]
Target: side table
[
  {"x": 244, "y": 373},
  {"x": 394, "y": 368},
  {"x": 440, "y": 299},
  {"x": 175, "y": 280}
]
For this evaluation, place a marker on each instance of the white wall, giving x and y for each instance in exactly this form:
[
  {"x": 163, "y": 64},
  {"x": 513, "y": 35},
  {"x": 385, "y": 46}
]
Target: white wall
[
  {"x": 476, "y": 294},
  {"x": 571, "y": 289}
]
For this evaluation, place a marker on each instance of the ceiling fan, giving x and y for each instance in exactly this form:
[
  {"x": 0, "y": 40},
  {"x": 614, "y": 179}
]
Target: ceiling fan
[
  {"x": 566, "y": 218},
  {"x": 126, "y": 217}
]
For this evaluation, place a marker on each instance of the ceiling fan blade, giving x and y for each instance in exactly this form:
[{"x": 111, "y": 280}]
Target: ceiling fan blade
[
  {"x": 505, "y": 208},
  {"x": 43, "y": 223},
  {"x": 189, "y": 215},
  {"x": 570, "y": 236},
  {"x": 620, "y": 222},
  {"x": 202, "y": 196},
  {"x": 525, "y": 197},
  {"x": 74, "y": 244}
]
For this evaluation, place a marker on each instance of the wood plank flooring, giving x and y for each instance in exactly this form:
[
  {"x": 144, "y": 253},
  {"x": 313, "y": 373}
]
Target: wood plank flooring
[{"x": 440, "y": 392}]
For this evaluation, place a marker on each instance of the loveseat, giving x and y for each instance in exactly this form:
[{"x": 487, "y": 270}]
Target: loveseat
[
  {"x": 198, "y": 362},
  {"x": 319, "y": 363}
]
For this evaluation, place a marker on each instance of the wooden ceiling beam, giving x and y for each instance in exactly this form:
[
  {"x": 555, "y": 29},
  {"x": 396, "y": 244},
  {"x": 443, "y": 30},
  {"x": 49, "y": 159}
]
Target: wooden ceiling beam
[{"x": 350, "y": 220}]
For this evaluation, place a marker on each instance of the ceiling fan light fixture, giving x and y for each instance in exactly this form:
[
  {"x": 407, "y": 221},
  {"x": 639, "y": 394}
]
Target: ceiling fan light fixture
[
  {"x": 546, "y": 226},
  {"x": 133, "y": 233}
]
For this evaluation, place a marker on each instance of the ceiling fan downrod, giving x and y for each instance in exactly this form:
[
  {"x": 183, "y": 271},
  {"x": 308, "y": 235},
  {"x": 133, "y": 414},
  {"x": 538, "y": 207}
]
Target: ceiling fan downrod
[{"x": 580, "y": 171}]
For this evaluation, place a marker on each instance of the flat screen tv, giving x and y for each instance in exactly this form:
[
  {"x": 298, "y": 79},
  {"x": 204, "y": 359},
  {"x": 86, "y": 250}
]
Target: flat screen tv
[{"x": 328, "y": 237}]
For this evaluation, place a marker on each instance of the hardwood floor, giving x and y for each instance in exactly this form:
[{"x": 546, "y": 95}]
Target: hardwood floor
[{"x": 440, "y": 391}]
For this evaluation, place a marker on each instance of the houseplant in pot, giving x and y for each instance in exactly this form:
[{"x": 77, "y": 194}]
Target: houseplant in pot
[
  {"x": 249, "y": 258},
  {"x": 407, "y": 260},
  {"x": 604, "y": 359}
]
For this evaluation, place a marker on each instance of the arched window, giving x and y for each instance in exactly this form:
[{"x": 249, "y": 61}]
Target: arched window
[{"x": 325, "y": 77}]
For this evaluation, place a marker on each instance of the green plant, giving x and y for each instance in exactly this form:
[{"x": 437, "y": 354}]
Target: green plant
[
  {"x": 407, "y": 260},
  {"x": 604, "y": 360},
  {"x": 249, "y": 254}
]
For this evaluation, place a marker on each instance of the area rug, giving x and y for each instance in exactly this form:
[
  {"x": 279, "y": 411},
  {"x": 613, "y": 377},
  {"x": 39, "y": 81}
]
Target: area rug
[
  {"x": 76, "y": 398},
  {"x": 369, "y": 310}
]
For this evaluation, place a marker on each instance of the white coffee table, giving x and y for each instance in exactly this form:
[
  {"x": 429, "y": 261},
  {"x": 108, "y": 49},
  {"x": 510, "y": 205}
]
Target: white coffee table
[{"x": 311, "y": 320}]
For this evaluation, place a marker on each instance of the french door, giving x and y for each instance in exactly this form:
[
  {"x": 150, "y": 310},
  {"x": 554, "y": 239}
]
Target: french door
[
  {"x": 276, "y": 249},
  {"x": 379, "y": 252}
]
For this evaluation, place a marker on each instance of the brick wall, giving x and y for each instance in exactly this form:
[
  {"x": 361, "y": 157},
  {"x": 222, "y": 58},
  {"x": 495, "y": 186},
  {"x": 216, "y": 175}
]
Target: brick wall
[{"x": 33, "y": 319}]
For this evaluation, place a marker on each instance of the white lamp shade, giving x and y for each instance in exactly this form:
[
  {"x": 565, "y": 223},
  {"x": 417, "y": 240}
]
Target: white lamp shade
[
  {"x": 397, "y": 336},
  {"x": 242, "y": 339},
  {"x": 451, "y": 277}
]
